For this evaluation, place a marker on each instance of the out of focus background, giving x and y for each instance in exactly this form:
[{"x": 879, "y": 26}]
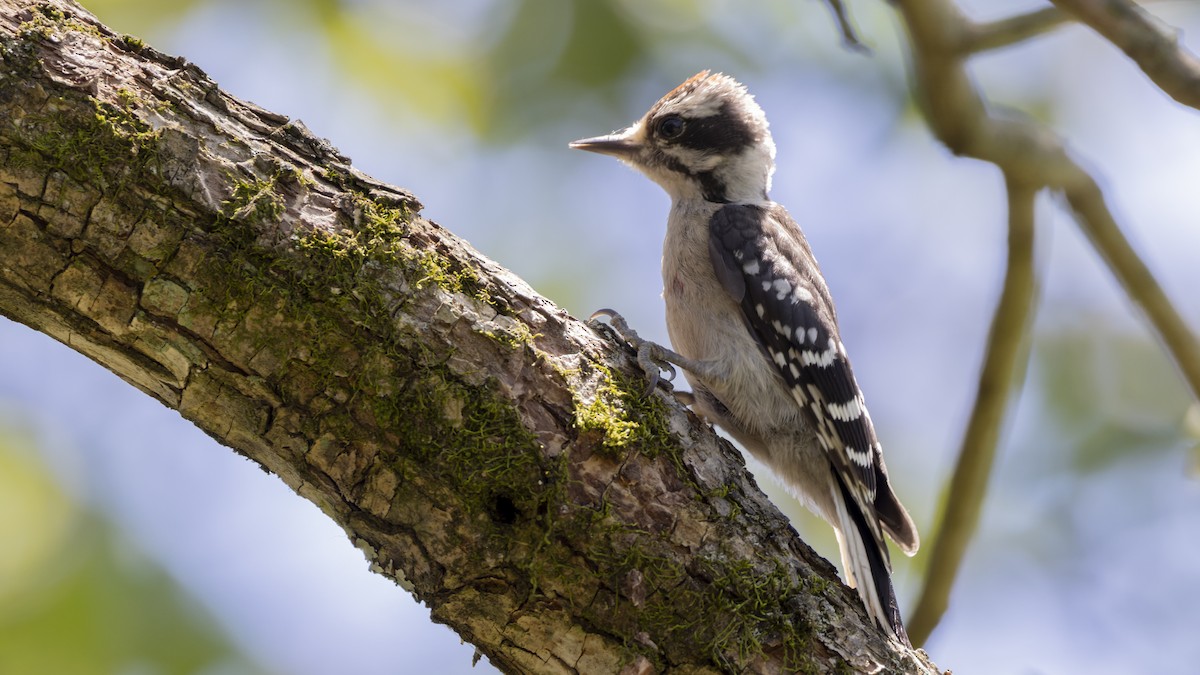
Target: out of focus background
[{"x": 133, "y": 543}]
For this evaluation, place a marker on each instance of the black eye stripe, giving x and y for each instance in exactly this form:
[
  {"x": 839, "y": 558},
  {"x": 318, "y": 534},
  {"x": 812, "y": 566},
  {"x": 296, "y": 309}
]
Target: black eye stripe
[{"x": 724, "y": 133}]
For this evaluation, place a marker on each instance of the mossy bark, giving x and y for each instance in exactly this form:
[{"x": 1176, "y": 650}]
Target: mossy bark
[{"x": 484, "y": 449}]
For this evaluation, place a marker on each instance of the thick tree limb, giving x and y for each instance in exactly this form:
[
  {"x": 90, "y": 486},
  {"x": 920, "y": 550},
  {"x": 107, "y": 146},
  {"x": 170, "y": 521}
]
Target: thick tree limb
[{"x": 484, "y": 449}]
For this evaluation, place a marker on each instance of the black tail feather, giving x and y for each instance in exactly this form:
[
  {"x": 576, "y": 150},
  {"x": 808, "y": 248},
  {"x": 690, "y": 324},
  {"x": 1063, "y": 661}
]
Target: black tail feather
[{"x": 877, "y": 556}]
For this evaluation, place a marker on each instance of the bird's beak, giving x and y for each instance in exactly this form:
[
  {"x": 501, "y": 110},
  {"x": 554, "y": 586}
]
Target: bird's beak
[{"x": 622, "y": 144}]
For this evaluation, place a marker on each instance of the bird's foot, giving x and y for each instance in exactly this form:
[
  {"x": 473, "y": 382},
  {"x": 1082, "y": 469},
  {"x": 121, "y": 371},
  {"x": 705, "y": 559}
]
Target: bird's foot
[{"x": 652, "y": 357}]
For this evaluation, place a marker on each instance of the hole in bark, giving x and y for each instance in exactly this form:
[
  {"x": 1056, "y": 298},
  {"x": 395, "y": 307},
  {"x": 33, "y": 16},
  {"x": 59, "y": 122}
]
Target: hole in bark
[{"x": 504, "y": 511}]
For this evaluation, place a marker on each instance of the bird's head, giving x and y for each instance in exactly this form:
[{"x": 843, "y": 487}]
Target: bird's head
[{"x": 707, "y": 139}]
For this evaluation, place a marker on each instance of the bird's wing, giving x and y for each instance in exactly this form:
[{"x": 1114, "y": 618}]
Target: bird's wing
[{"x": 767, "y": 267}]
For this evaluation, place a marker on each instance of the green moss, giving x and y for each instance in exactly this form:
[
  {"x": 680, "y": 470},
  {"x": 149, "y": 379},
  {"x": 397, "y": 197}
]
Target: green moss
[
  {"x": 434, "y": 271},
  {"x": 255, "y": 200},
  {"x": 110, "y": 148},
  {"x": 516, "y": 336},
  {"x": 49, "y": 22},
  {"x": 732, "y": 609},
  {"x": 759, "y": 599},
  {"x": 625, "y": 415},
  {"x": 132, "y": 43},
  {"x": 334, "y": 176},
  {"x": 20, "y": 59},
  {"x": 628, "y": 418},
  {"x": 607, "y": 414},
  {"x": 381, "y": 237},
  {"x": 463, "y": 434},
  {"x": 42, "y": 24},
  {"x": 740, "y": 610},
  {"x": 472, "y": 439},
  {"x": 654, "y": 434}
]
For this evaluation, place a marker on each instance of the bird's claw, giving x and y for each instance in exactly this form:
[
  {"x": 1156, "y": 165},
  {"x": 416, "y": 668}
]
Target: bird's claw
[{"x": 650, "y": 356}]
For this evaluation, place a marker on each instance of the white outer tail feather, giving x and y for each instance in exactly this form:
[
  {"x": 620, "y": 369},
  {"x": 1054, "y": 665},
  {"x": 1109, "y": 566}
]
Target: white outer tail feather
[{"x": 857, "y": 564}]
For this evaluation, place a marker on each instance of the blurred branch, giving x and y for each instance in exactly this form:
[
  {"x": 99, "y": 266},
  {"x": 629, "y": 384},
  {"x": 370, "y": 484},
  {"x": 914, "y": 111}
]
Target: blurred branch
[
  {"x": 1191, "y": 426},
  {"x": 1003, "y": 365},
  {"x": 1087, "y": 201},
  {"x": 849, "y": 35},
  {"x": 981, "y": 37},
  {"x": 1150, "y": 43},
  {"x": 1032, "y": 156}
]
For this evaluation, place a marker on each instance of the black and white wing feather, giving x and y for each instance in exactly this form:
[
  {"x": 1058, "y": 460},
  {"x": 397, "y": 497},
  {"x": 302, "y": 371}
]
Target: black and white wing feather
[{"x": 764, "y": 262}]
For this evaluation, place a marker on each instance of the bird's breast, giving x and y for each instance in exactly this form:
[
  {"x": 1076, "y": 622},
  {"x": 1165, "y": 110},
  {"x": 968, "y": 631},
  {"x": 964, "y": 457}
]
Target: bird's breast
[
  {"x": 674, "y": 287},
  {"x": 706, "y": 324}
]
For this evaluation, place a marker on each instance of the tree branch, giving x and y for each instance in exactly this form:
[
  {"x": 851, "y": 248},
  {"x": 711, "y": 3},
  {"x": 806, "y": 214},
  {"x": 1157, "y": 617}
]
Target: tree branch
[
  {"x": 981, "y": 37},
  {"x": 1004, "y": 364},
  {"x": 1151, "y": 44},
  {"x": 849, "y": 35},
  {"x": 1032, "y": 156},
  {"x": 1087, "y": 201},
  {"x": 1020, "y": 147},
  {"x": 488, "y": 452}
]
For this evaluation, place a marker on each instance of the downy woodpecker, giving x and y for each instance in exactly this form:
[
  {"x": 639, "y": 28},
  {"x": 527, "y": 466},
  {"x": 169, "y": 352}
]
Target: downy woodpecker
[{"x": 753, "y": 324}]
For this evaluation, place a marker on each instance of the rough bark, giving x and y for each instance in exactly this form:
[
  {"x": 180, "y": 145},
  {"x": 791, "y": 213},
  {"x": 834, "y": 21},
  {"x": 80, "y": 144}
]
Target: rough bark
[{"x": 484, "y": 449}]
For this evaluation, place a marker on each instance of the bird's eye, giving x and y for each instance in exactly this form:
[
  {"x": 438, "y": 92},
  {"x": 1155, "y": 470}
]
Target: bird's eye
[{"x": 671, "y": 127}]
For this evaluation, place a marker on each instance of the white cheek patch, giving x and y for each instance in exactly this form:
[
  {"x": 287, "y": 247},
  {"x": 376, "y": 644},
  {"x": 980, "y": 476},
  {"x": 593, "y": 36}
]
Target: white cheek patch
[{"x": 697, "y": 161}]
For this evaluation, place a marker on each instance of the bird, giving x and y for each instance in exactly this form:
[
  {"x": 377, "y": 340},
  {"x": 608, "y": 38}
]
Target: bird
[{"x": 753, "y": 326}]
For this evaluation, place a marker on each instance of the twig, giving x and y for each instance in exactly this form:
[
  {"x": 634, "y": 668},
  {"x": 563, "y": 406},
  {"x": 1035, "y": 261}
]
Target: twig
[
  {"x": 1151, "y": 44},
  {"x": 1087, "y": 201},
  {"x": 849, "y": 35},
  {"x": 1003, "y": 365},
  {"x": 982, "y": 37}
]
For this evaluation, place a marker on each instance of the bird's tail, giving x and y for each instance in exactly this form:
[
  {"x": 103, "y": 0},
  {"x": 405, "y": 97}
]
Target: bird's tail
[{"x": 865, "y": 559}]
